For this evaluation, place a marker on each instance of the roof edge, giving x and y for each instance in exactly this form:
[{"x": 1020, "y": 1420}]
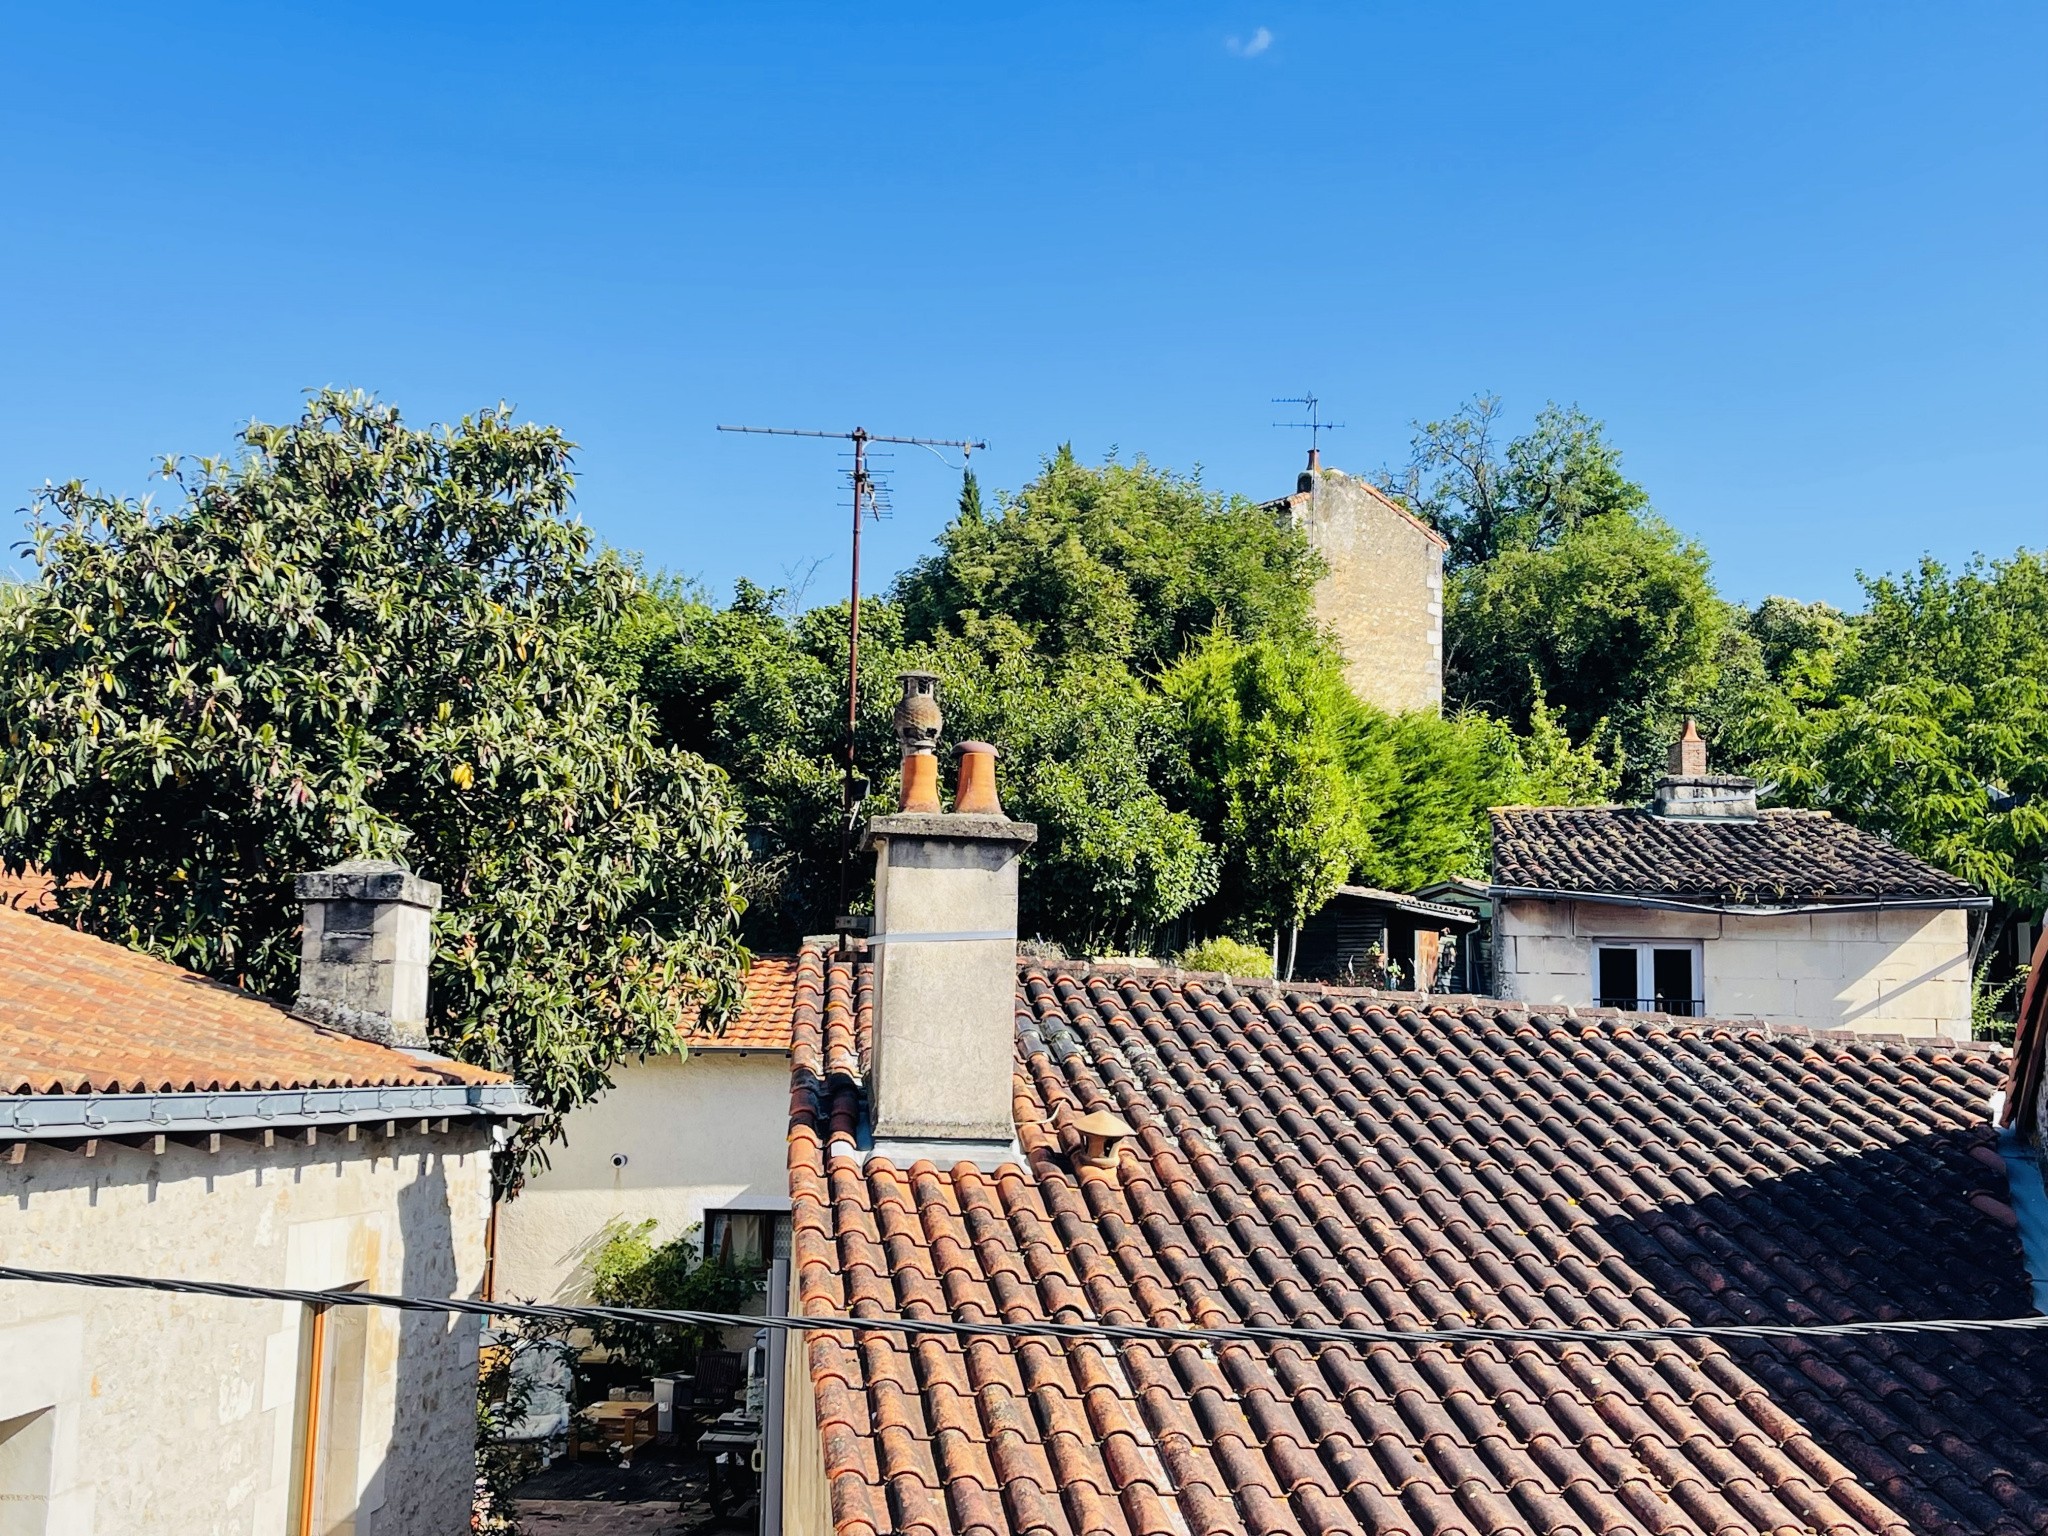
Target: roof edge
[
  {"x": 1975, "y": 902},
  {"x": 35, "y": 1116}
]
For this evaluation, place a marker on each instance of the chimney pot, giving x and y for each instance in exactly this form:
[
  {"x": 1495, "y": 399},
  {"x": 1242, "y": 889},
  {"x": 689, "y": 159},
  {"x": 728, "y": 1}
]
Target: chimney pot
[
  {"x": 364, "y": 950},
  {"x": 1689, "y": 753},
  {"x": 918, "y": 723},
  {"x": 975, "y": 795}
]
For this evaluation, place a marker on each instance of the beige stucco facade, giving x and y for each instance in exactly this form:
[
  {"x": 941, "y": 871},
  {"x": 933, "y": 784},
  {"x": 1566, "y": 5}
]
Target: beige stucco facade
[
  {"x": 695, "y": 1132},
  {"x": 150, "y": 1413},
  {"x": 1896, "y": 971},
  {"x": 1383, "y": 595}
]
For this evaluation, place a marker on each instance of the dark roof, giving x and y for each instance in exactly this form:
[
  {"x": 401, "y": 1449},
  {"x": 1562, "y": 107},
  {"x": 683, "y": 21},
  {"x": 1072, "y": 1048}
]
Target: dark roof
[
  {"x": 1408, "y": 906},
  {"x": 1329, "y": 1158},
  {"x": 1781, "y": 858},
  {"x": 81, "y": 1015}
]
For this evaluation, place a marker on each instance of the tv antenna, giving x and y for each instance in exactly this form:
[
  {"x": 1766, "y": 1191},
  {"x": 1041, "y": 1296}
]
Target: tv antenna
[
  {"x": 1315, "y": 425},
  {"x": 865, "y": 499}
]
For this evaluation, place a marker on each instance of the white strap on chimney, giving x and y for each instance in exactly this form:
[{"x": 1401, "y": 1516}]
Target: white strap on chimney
[{"x": 974, "y": 936}]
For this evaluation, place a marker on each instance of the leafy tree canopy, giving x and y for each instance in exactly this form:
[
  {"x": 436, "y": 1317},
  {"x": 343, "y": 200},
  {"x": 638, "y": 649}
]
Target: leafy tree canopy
[
  {"x": 1924, "y": 718},
  {"x": 1487, "y": 501},
  {"x": 1123, "y": 560},
  {"x": 365, "y": 639},
  {"x": 1097, "y": 760},
  {"x": 1269, "y": 730},
  {"x": 1616, "y": 623}
]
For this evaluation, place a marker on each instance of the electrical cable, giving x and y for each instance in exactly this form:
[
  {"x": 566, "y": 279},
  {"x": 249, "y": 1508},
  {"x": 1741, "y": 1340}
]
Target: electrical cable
[{"x": 1047, "y": 1328}]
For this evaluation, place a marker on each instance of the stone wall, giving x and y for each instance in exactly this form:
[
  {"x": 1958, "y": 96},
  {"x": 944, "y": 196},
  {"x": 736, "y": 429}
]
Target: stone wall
[
  {"x": 180, "y": 1413},
  {"x": 1896, "y": 972},
  {"x": 1383, "y": 597},
  {"x": 695, "y": 1132}
]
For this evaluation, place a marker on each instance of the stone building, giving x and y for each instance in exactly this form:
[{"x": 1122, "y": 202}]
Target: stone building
[
  {"x": 156, "y": 1123},
  {"x": 1702, "y": 904},
  {"x": 1383, "y": 595}
]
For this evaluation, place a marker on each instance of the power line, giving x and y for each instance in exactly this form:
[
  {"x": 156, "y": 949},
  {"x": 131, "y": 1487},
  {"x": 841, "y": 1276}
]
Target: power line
[{"x": 1036, "y": 1329}]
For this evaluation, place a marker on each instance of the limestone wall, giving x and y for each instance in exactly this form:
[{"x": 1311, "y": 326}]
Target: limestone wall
[
  {"x": 173, "y": 1414},
  {"x": 1384, "y": 595},
  {"x": 1897, "y": 972},
  {"x": 695, "y": 1132}
]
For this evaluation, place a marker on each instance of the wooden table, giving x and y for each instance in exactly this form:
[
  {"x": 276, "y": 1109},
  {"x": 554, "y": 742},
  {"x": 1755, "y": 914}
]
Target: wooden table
[{"x": 626, "y": 1425}]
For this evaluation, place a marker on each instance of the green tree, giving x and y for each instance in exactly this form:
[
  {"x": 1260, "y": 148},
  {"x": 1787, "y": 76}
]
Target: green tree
[
  {"x": 760, "y": 691},
  {"x": 1428, "y": 782},
  {"x": 1096, "y": 760},
  {"x": 1924, "y": 718},
  {"x": 1616, "y": 623},
  {"x": 369, "y": 640},
  {"x": 1125, "y": 561},
  {"x": 1270, "y": 727},
  {"x": 1560, "y": 474}
]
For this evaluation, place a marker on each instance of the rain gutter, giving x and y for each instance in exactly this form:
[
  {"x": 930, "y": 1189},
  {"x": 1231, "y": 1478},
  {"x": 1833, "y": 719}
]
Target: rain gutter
[
  {"x": 53, "y": 1115},
  {"x": 1747, "y": 909}
]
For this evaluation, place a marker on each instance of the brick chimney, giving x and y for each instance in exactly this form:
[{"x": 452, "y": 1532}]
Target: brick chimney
[
  {"x": 364, "y": 951},
  {"x": 1689, "y": 793},
  {"x": 945, "y": 948}
]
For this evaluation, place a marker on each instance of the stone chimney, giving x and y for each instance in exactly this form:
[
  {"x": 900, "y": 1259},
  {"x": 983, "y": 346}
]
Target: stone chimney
[
  {"x": 945, "y": 966},
  {"x": 364, "y": 950},
  {"x": 1689, "y": 793}
]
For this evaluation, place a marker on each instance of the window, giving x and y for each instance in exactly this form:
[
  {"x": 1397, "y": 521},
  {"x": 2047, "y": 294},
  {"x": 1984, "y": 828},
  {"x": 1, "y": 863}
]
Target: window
[
  {"x": 745, "y": 1237},
  {"x": 1666, "y": 978},
  {"x": 25, "y": 1448}
]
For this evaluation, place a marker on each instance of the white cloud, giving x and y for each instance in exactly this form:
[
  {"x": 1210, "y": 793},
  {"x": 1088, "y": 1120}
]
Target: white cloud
[{"x": 1250, "y": 47}]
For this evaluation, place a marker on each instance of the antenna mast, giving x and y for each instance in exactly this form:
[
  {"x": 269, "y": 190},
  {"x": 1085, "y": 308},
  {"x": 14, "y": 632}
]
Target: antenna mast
[
  {"x": 863, "y": 501},
  {"x": 1315, "y": 424}
]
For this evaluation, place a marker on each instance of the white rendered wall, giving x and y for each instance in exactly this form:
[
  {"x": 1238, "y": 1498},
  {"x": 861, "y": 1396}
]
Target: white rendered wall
[
  {"x": 1894, "y": 973},
  {"x": 697, "y": 1132},
  {"x": 177, "y": 1414}
]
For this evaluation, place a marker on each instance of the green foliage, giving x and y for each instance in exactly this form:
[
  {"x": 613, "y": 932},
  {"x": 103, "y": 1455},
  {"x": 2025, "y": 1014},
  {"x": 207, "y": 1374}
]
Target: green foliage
[
  {"x": 1088, "y": 755},
  {"x": 504, "y": 1396},
  {"x": 1429, "y": 781},
  {"x": 1559, "y": 475},
  {"x": 629, "y": 1269},
  {"x": 761, "y": 692},
  {"x": 369, "y": 640},
  {"x": 1124, "y": 561},
  {"x": 1228, "y": 956},
  {"x": 1269, "y": 728},
  {"x": 1988, "y": 1017},
  {"x": 1616, "y": 623},
  {"x": 1925, "y": 718}
]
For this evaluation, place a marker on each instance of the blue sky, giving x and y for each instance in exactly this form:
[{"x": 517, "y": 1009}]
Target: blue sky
[{"x": 1793, "y": 255}]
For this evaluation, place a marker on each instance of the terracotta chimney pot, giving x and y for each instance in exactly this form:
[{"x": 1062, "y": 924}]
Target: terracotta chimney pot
[
  {"x": 1689, "y": 753},
  {"x": 918, "y": 723},
  {"x": 975, "y": 794}
]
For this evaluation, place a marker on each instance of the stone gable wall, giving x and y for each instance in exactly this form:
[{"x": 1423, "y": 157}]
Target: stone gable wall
[{"x": 1383, "y": 597}]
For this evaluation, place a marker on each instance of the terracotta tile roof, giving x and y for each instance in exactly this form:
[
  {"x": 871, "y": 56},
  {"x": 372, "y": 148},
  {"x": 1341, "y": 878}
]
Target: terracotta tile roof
[
  {"x": 1326, "y": 1158},
  {"x": 1781, "y": 857},
  {"x": 29, "y": 892},
  {"x": 763, "y": 1022},
  {"x": 81, "y": 1015}
]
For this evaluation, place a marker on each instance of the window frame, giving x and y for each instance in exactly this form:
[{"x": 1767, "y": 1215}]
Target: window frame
[{"x": 1646, "y": 974}]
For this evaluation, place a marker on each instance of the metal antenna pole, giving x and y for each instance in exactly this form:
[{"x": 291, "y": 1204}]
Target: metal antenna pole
[
  {"x": 1315, "y": 424},
  {"x": 846, "y": 791},
  {"x": 863, "y": 500}
]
